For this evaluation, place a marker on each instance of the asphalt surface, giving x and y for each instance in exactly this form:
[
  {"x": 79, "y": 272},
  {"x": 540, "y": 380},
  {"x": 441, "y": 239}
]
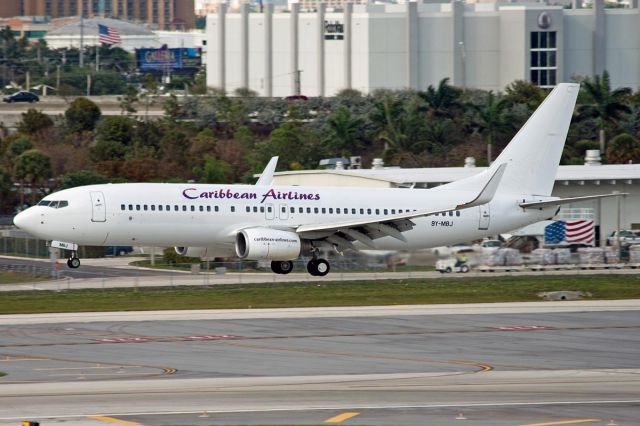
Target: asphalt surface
[{"x": 494, "y": 364}]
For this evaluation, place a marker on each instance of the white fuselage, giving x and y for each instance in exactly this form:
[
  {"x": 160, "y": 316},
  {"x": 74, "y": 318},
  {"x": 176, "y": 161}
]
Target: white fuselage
[{"x": 202, "y": 215}]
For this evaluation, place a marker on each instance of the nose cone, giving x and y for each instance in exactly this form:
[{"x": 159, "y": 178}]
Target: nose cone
[{"x": 24, "y": 220}]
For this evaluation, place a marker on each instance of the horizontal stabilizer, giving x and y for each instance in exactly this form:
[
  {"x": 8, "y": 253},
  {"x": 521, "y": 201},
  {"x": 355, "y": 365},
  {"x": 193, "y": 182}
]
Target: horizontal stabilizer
[{"x": 559, "y": 201}]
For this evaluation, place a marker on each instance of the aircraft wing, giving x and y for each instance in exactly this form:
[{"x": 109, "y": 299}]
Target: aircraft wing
[
  {"x": 559, "y": 201},
  {"x": 366, "y": 230}
]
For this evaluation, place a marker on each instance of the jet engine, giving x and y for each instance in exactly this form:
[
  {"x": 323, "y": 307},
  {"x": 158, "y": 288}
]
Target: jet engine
[
  {"x": 201, "y": 252},
  {"x": 267, "y": 244}
]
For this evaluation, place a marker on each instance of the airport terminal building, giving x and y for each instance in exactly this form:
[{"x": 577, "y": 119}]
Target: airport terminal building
[{"x": 414, "y": 45}]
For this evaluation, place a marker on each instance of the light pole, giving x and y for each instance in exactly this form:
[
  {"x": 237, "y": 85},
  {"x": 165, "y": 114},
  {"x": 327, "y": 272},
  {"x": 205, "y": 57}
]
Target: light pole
[{"x": 463, "y": 57}]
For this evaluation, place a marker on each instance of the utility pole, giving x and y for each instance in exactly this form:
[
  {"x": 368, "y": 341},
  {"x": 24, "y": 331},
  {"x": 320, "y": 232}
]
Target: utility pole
[
  {"x": 28, "y": 81},
  {"x": 98, "y": 57},
  {"x": 57, "y": 79},
  {"x": 88, "y": 84},
  {"x": 81, "y": 38}
]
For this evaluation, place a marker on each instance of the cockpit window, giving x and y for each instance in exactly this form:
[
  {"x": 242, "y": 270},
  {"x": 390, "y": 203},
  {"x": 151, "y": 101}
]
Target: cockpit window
[{"x": 54, "y": 204}]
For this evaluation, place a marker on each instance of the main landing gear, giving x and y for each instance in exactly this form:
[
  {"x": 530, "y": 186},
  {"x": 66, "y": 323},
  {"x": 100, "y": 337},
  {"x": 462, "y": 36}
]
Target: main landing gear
[
  {"x": 318, "y": 267},
  {"x": 73, "y": 262},
  {"x": 282, "y": 267}
]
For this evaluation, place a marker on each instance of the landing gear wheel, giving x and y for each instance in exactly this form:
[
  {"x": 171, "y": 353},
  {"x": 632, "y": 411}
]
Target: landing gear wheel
[
  {"x": 318, "y": 267},
  {"x": 73, "y": 263},
  {"x": 282, "y": 267}
]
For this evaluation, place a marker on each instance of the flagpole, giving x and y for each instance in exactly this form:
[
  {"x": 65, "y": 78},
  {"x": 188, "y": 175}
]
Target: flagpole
[{"x": 98, "y": 57}]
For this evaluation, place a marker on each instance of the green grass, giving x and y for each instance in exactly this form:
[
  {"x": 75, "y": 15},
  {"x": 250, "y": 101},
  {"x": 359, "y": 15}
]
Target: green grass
[
  {"x": 9, "y": 277},
  {"x": 446, "y": 290}
]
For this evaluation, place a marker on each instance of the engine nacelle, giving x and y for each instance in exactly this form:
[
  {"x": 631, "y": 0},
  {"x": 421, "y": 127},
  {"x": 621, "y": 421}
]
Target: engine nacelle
[
  {"x": 267, "y": 244},
  {"x": 201, "y": 252}
]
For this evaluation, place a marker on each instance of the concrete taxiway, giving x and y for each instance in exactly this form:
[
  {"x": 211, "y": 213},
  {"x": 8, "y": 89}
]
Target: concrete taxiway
[{"x": 491, "y": 364}]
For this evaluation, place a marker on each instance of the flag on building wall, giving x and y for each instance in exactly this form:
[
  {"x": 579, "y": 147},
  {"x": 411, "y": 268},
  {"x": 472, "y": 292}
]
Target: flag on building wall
[
  {"x": 108, "y": 35},
  {"x": 570, "y": 232}
]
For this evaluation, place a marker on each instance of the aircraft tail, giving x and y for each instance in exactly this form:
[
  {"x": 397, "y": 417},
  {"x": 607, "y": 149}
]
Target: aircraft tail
[{"x": 534, "y": 152}]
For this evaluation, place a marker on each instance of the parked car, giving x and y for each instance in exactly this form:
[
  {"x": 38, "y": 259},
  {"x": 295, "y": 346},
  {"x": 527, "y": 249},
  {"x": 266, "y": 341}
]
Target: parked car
[
  {"x": 488, "y": 246},
  {"x": 626, "y": 237},
  {"x": 451, "y": 250},
  {"x": 21, "y": 96}
]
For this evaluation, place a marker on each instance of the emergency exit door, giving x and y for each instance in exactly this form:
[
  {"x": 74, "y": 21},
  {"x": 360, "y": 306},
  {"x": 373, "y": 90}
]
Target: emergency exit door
[
  {"x": 484, "y": 217},
  {"x": 99, "y": 211}
]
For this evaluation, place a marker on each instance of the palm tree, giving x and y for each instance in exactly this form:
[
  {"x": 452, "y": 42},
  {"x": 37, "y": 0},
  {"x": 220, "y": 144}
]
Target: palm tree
[
  {"x": 344, "y": 131},
  {"x": 490, "y": 119},
  {"x": 32, "y": 167},
  {"x": 606, "y": 105},
  {"x": 441, "y": 102}
]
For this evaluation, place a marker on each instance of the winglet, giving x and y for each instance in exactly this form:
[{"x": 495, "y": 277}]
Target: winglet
[
  {"x": 488, "y": 191},
  {"x": 267, "y": 174}
]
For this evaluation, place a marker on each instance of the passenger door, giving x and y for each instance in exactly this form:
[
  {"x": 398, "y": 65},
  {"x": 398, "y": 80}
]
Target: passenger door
[{"x": 98, "y": 207}]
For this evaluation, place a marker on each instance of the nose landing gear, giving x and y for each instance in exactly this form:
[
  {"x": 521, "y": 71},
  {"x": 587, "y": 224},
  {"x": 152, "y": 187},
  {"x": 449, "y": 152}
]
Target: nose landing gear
[{"x": 73, "y": 262}]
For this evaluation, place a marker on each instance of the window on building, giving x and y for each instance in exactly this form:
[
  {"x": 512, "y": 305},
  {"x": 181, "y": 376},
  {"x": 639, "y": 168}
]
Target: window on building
[{"x": 543, "y": 58}]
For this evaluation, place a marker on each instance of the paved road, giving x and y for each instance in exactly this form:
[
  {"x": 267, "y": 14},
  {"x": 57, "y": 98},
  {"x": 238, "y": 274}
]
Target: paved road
[{"x": 496, "y": 364}]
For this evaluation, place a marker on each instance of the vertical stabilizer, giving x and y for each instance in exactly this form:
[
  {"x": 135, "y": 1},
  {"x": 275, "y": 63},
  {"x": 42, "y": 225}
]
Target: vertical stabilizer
[
  {"x": 267, "y": 174},
  {"x": 534, "y": 153}
]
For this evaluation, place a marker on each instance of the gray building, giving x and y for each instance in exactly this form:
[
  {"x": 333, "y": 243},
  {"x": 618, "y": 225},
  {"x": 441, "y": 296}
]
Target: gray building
[{"x": 413, "y": 45}]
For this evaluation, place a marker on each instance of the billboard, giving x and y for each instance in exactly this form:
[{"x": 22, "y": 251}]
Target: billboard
[{"x": 165, "y": 59}]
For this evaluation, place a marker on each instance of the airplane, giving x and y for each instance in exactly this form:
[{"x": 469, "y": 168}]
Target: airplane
[{"x": 282, "y": 223}]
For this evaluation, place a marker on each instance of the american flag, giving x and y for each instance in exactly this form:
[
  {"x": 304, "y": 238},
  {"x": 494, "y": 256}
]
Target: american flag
[
  {"x": 570, "y": 232},
  {"x": 108, "y": 35}
]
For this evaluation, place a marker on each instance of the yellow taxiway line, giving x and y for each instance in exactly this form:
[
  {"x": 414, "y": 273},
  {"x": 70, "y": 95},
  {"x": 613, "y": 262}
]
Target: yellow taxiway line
[
  {"x": 341, "y": 417},
  {"x": 565, "y": 422},
  {"x": 114, "y": 420}
]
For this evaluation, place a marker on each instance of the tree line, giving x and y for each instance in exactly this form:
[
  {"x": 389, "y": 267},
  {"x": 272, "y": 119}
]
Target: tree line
[{"x": 217, "y": 138}]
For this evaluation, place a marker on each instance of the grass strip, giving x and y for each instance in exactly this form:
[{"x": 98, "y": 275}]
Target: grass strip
[
  {"x": 10, "y": 277},
  {"x": 358, "y": 293}
]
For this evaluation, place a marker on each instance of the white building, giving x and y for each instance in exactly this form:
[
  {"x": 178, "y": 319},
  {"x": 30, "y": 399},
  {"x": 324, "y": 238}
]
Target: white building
[{"x": 412, "y": 45}]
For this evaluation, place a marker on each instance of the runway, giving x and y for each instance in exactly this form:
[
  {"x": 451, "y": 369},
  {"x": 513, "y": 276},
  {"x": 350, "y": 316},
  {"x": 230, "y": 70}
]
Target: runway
[{"x": 491, "y": 364}]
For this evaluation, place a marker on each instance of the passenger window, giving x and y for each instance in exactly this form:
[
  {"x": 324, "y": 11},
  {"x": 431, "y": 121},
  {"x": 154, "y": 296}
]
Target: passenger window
[
  {"x": 450, "y": 213},
  {"x": 331, "y": 210},
  {"x": 255, "y": 209},
  {"x": 208, "y": 208},
  {"x": 193, "y": 208},
  {"x": 316, "y": 210},
  {"x": 145, "y": 207},
  {"x": 399, "y": 210},
  {"x": 284, "y": 209},
  {"x": 184, "y": 208},
  {"x": 176, "y": 207},
  {"x": 393, "y": 211},
  {"x": 377, "y": 211},
  {"x": 248, "y": 209},
  {"x": 269, "y": 209},
  {"x": 338, "y": 210},
  {"x": 201, "y": 208},
  {"x": 368, "y": 211},
  {"x": 308, "y": 209},
  {"x": 361, "y": 211},
  {"x": 233, "y": 209},
  {"x": 121, "y": 206},
  {"x": 261, "y": 209},
  {"x": 300, "y": 210},
  {"x": 153, "y": 207},
  {"x": 353, "y": 211},
  {"x": 216, "y": 208},
  {"x": 293, "y": 209},
  {"x": 160, "y": 207},
  {"x": 386, "y": 211},
  {"x": 138, "y": 207},
  {"x": 324, "y": 210},
  {"x": 130, "y": 206},
  {"x": 457, "y": 212}
]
